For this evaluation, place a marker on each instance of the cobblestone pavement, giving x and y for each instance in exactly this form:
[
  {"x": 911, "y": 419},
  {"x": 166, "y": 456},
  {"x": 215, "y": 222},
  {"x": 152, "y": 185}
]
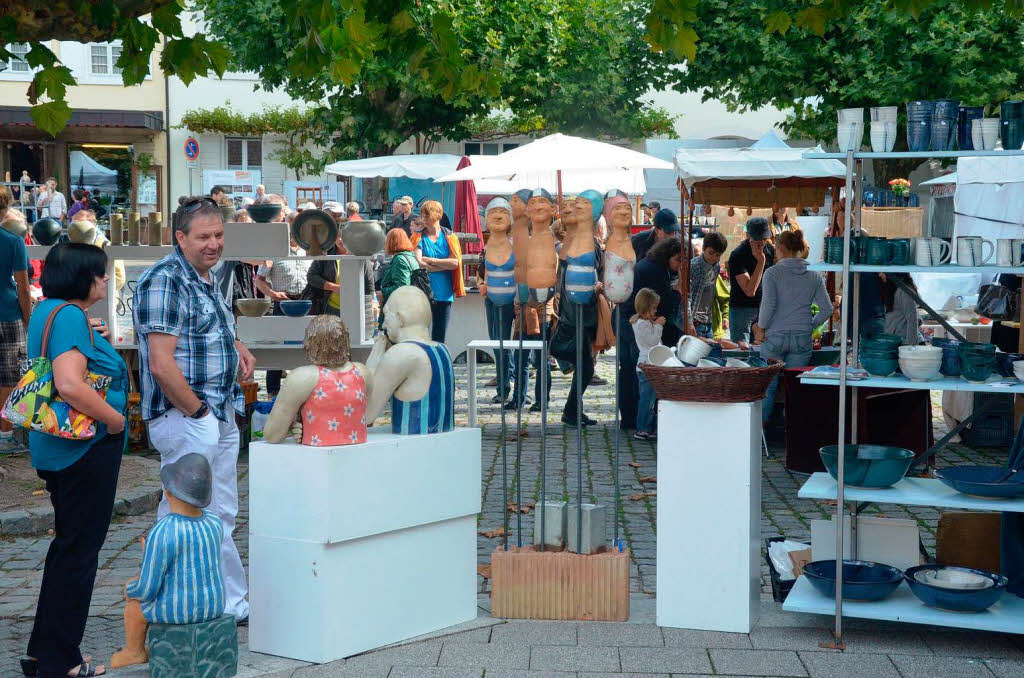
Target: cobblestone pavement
[{"x": 782, "y": 644}]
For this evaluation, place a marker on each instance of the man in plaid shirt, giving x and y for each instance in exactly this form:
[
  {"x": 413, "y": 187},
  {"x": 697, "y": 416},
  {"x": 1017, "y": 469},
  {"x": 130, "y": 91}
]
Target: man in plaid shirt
[
  {"x": 703, "y": 275},
  {"x": 191, "y": 362}
]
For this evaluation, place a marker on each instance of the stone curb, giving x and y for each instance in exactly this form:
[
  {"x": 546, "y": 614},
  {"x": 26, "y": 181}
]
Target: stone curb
[{"x": 135, "y": 501}]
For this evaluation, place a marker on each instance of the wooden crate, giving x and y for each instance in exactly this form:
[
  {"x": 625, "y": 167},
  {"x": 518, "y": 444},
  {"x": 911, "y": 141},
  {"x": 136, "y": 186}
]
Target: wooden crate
[
  {"x": 893, "y": 222},
  {"x": 530, "y": 584}
]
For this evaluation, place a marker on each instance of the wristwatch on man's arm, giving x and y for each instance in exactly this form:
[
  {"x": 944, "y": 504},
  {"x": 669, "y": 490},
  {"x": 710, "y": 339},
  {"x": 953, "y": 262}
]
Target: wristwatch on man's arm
[{"x": 203, "y": 410}]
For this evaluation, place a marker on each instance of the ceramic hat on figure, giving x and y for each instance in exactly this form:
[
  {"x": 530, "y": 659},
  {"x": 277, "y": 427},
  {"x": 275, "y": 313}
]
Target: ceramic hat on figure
[
  {"x": 499, "y": 204},
  {"x": 758, "y": 229},
  {"x": 189, "y": 479},
  {"x": 611, "y": 199},
  {"x": 540, "y": 193},
  {"x": 666, "y": 220},
  {"x": 596, "y": 202},
  {"x": 524, "y": 194}
]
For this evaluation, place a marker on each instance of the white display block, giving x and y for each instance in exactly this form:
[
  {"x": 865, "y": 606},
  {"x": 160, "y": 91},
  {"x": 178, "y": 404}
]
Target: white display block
[
  {"x": 356, "y": 547},
  {"x": 709, "y": 515},
  {"x": 270, "y": 329},
  {"x": 255, "y": 240}
]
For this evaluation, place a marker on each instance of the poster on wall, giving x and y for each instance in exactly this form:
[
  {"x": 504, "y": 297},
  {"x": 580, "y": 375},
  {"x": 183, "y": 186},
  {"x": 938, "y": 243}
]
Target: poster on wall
[
  {"x": 146, "y": 192},
  {"x": 236, "y": 183}
]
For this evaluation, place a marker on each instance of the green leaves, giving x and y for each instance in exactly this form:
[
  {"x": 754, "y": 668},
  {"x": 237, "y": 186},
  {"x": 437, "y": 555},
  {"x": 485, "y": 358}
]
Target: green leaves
[
  {"x": 50, "y": 83},
  {"x": 777, "y": 22},
  {"x": 813, "y": 19},
  {"x": 51, "y": 117}
]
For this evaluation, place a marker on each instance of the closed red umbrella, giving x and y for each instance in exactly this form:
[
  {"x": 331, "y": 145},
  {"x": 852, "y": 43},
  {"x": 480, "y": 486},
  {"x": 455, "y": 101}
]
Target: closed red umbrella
[{"x": 467, "y": 217}]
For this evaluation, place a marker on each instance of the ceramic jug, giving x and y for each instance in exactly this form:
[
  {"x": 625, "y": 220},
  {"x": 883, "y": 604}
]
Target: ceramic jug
[
  {"x": 1009, "y": 251},
  {"x": 970, "y": 250}
]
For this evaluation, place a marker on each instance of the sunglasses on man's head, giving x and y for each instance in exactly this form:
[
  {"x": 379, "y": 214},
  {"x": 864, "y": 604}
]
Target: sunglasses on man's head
[{"x": 192, "y": 205}]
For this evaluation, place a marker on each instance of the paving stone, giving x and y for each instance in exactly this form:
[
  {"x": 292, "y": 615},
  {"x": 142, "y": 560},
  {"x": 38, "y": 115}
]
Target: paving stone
[
  {"x": 435, "y": 672},
  {"x": 1004, "y": 668},
  {"x": 939, "y": 667},
  {"x": 619, "y": 634},
  {"x": 976, "y": 644},
  {"x": 414, "y": 654},
  {"x": 564, "y": 658},
  {"x": 839, "y": 665},
  {"x": 790, "y": 639},
  {"x": 885, "y": 641},
  {"x": 664, "y": 660},
  {"x": 757, "y": 662},
  {"x": 498, "y": 655},
  {"x": 701, "y": 639},
  {"x": 519, "y": 673},
  {"x": 535, "y": 633},
  {"x": 475, "y": 636}
]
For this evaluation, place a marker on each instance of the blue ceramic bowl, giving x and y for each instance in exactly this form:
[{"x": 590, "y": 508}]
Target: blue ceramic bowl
[
  {"x": 264, "y": 213},
  {"x": 862, "y": 580},
  {"x": 981, "y": 481},
  {"x": 975, "y": 370},
  {"x": 881, "y": 341},
  {"x": 295, "y": 309},
  {"x": 880, "y": 367},
  {"x": 868, "y": 465},
  {"x": 950, "y": 356},
  {"x": 956, "y": 600},
  {"x": 1004, "y": 363}
]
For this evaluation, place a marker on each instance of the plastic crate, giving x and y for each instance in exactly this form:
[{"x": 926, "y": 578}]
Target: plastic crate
[
  {"x": 994, "y": 428},
  {"x": 780, "y": 589}
]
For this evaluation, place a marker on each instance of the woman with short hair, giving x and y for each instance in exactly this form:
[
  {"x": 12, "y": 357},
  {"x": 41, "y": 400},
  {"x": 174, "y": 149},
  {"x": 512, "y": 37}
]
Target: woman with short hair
[
  {"x": 80, "y": 475},
  {"x": 438, "y": 251}
]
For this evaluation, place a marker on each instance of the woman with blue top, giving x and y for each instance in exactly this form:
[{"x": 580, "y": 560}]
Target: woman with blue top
[
  {"x": 438, "y": 251},
  {"x": 80, "y": 475}
]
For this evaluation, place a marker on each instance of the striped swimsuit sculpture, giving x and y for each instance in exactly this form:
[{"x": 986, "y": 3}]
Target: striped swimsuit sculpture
[
  {"x": 435, "y": 411},
  {"x": 501, "y": 282},
  {"x": 580, "y": 276}
]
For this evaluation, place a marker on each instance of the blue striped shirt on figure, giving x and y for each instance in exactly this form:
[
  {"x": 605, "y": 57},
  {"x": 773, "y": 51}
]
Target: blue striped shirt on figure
[
  {"x": 180, "y": 580},
  {"x": 435, "y": 411}
]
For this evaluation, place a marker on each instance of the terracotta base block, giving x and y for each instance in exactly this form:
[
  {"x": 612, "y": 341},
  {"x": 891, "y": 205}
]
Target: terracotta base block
[{"x": 530, "y": 584}]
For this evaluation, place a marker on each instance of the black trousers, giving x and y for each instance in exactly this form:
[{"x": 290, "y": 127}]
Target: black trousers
[
  {"x": 274, "y": 376},
  {"x": 584, "y": 370},
  {"x": 440, "y": 312},
  {"x": 83, "y": 501},
  {"x": 629, "y": 385}
]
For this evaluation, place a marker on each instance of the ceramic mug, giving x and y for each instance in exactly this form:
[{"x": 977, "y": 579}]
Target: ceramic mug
[
  {"x": 929, "y": 251},
  {"x": 691, "y": 349},
  {"x": 1009, "y": 251},
  {"x": 834, "y": 249},
  {"x": 970, "y": 250},
  {"x": 877, "y": 253},
  {"x": 899, "y": 251}
]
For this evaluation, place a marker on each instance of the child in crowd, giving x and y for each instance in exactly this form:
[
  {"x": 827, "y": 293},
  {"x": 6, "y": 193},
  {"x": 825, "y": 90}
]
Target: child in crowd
[
  {"x": 180, "y": 580},
  {"x": 647, "y": 328}
]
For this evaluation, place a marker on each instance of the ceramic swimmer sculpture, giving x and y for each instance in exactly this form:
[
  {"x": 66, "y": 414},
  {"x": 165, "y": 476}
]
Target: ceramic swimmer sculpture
[
  {"x": 619, "y": 257},
  {"x": 520, "y": 232},
  {"x": 329, "y": 395},
  {"x": 180, "y": 580},
  {"x": 581, "y": 271},
  {"x": 500, "y": 259},
  {"x": 542, "y": 264},
  {"x": 415, "y": 373}
]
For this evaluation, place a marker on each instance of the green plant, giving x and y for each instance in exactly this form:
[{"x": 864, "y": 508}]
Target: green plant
[{"x": 143, "y": 161}]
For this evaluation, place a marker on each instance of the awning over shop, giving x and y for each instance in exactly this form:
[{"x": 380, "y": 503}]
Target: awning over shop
[{"x": 20, "y": 116}]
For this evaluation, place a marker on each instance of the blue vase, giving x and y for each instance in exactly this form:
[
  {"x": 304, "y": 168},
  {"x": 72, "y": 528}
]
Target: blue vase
[{"x": 963, "y": 126}]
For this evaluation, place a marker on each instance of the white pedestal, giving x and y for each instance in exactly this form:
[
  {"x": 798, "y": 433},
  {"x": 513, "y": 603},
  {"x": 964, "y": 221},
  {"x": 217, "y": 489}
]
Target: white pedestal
[
  {"x": 353, "y": 548},
  {"x": 709, "y": 515}
]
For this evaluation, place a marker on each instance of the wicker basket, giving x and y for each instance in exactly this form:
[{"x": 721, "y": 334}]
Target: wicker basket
[{"x": 712, "y": 384}]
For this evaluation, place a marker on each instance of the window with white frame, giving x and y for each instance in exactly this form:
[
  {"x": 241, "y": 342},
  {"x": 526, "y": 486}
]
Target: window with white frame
[
  {"x": 103, "y": 56},
  {"x": 17, "y": 62},
  {"x": 244, "y": 153},
  {"x": 480, "y": 148}
]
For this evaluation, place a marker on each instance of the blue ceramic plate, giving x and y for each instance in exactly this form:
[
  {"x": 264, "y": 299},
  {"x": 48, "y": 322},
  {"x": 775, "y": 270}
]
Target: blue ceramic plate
[
  {"x": 955, "y": 600},
  {"x": 981, "y": 481},
  {"x": 862, "y": 580}
]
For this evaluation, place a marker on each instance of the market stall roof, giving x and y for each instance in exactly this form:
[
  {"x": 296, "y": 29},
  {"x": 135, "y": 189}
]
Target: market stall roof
[
  {"x": 426, "y": 166},
  {"x": 938, "y": 181},
  {"x": 989, "y": 199},
  {"x": 756, "y": 177},
  {"x": 770, "y": 140},
  {"x": 584, "y": 164}
]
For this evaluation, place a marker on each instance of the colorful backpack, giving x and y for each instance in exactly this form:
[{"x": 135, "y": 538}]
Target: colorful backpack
[{"x": 35, "y": 404}]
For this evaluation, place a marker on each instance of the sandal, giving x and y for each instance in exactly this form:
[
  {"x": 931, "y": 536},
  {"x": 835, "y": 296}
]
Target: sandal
[
  {"x": 87, "y": 670},
  {"x": 30, "y": 666}
]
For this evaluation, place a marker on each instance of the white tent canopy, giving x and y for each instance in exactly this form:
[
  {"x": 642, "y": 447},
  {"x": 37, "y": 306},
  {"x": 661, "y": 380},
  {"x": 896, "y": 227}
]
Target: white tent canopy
[
  {"x": 93, "y": 174},
  {"x": 584, "y": 164},
  {"x": 428, "y": 166},
  {"x": 989, "y": 199},
  {"x": 750, "y": 164}
]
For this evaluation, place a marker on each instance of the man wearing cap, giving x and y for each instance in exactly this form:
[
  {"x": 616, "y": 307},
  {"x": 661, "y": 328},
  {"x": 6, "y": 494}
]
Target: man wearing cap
[
  {"x": 747, "y": 265},
  {"x": 664, "y": 225},
  {"x": 334, "y": 208},
  {"x": 403, "y": 214}
]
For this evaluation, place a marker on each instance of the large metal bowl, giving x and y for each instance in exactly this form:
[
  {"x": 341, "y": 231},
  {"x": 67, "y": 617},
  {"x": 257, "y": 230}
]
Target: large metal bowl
[
  {"x": 955, "y": 600},
  {"x": 862, "y": 580},
  {"x": 868, "y": 465},
  {"x": 264, "y": 213},
  {"x": 982, "y": 481}
]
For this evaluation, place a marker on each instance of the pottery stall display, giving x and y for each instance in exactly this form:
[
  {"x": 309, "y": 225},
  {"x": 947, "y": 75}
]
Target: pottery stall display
[
  {"x": 930, "y": 251},
  {"x": 264, "y": 213},
  {"x": 950, "y": 366},
  {"x": 919, "y": 365},
  {"x": 872, "y": 466},
  {"x": 690, "y": 350},
  {"x": 1009, "y": 252},
  {"x": 363, "y": 238},
  {"x": 1005, "y": 362},
  {"x": 965, "y": 128},
  {"x": 253, "y": 308},
  {"x": 315, "y": 231},
  {"x": 977, "y": 361},
  {"x": 883, "y": 128},
  {"x": 295, "y": 308},
  {"x": 988, "y": 133},
  {"x": 982, "y": 481},
  {"x": 919, "y": 125},
  {"x": 970, "y": 250},
  {"x": 1011, "y": 123},
  {"x": 850, "y": 129},
  {"x": 46, "y": 231},
  {"x": 944, "y": 116},
  {"x": 956, "y": 589},
  {"x": 862, "y": 580}
]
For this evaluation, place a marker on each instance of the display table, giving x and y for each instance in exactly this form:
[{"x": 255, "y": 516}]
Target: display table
[
  {"x": 339, "y": 565},
  {"x": 886, "y": 416},
  {"x": 490, "y": 345},
  {"x": 709, "y": 515}
]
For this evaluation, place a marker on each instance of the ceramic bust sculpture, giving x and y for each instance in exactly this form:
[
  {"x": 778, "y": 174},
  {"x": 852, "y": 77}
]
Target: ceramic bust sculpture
[
  {"x": 499, "y": 258},
  {"x": 581, "y": 272},
  {"x": 542, "y": 265},
  {"x": 619, "y": 257},
  {"x": 568, "y": 220},
  {"x": 329, "y": 395},
  {"x": 520, "y": 232},
  {"x": 180, "y": 579},
  {"x": 15, "y": 225},
  {"x": 415, "y": 373}
]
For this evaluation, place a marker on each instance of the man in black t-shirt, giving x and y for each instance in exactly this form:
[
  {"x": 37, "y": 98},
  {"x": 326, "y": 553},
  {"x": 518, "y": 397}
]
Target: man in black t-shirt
[{"x": 747, "y": 265}]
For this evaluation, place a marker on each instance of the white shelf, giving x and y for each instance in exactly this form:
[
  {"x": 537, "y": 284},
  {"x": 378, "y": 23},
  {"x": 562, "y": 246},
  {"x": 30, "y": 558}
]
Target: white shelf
[
  {"x": 910, "y": 492},
  {"x": 892, "y": 268},
  {"x": 995, "y": 384},
  {"x": 1006, "y": 616},
  {"x": 871, "y": 155}
]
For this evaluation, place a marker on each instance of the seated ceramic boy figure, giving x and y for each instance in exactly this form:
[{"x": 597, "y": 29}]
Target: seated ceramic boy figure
[
  {"x": 329, "y": 394},
  {"x": 180, "y": 579},
  {"x": 415, "y": 373}
]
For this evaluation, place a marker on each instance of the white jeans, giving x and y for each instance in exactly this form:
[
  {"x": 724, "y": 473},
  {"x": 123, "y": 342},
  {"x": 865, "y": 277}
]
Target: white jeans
[{"x": 174, "y": 435}]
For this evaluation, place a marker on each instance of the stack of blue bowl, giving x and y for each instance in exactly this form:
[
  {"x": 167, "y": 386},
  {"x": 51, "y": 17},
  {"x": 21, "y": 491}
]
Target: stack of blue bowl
[
  {"x": 919, "y": 125},
  {"x": 879, "y": 355},
  {"x": 944, "y": 115},
  {"x": 1011, "y": 126},
  {"x": 963, "y": 126},
  {"x": 950, "y": 356},
  {"x": 977, "y": 361}
]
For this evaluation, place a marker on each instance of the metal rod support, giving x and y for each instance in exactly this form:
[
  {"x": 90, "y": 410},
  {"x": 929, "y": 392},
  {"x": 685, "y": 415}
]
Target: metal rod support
[
  {"x": 519, "y": 428},
  {"x": 618, "y": 432},
  {"x": 543, "y": 428},
  {"x": 504, "y": 436},
  {"x": 579, "y": 427}
]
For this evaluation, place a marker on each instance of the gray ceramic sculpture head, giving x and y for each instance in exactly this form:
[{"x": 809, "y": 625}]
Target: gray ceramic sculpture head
[
  {"x": 189, "y": 479},
  {"x": 15, "y": 226},
  {"x": 363, "y": 238}
]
